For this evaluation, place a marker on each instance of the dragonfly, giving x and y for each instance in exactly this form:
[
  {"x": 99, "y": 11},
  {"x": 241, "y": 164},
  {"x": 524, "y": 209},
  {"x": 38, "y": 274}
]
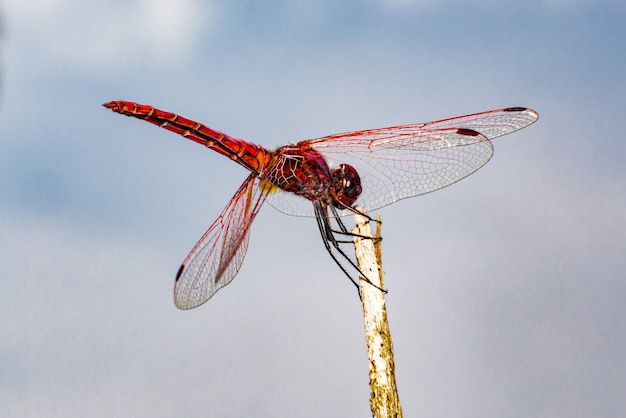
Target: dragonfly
[{"x": 326, "y": 178}]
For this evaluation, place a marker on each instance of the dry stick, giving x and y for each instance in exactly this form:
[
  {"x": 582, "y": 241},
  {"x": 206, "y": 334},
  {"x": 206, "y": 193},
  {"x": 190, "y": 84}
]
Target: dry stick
[{"x": 384, "y": 400}]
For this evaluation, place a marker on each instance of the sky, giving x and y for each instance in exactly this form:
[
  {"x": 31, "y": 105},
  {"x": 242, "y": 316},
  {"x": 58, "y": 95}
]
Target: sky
[{"x": 506, "y": 290}]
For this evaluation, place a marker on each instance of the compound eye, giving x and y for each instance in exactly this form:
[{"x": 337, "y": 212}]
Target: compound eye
[{"x": 348, "y": 185}]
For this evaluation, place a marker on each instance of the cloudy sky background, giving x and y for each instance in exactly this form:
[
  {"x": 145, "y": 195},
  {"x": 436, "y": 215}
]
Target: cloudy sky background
[{"x": 506, "y": 291}]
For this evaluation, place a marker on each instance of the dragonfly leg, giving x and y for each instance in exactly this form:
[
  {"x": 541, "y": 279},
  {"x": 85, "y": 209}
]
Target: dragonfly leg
[
  {"x": 330, "y": 242},
  {"x": 356, "y": 211},
  {"x": 344, "y": 231},
  {"x": 326, "y": 232}
]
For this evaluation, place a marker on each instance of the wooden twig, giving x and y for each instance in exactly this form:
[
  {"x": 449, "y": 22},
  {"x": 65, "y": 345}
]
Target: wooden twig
[{"x": 384, "y": 401}]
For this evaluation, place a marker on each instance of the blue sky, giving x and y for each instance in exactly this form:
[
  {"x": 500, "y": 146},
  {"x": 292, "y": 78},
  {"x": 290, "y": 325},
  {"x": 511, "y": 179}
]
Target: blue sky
[{"x": 506, "y": 290}]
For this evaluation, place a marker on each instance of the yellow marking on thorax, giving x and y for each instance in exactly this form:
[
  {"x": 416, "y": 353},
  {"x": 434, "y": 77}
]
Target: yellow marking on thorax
[{"x": 268, "y": 187}]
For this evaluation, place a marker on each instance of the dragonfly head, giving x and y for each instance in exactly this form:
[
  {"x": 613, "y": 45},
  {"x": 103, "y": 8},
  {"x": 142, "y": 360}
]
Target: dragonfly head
[{"x": 347, "y": 185}]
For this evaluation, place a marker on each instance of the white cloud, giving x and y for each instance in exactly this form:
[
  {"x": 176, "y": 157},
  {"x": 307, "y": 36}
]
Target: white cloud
[{"x": 108, "y": 35}]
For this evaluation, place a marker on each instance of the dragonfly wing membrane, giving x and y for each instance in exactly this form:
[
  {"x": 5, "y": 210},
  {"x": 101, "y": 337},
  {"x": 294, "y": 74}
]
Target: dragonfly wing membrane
[
  {"x": 492, "y": 123},
  {"x": 216, "y": 258},
  {"x": 410, "y": 160}
]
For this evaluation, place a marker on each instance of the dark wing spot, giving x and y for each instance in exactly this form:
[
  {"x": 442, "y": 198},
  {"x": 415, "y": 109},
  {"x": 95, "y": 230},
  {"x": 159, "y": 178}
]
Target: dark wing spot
[
  {"x": 468, "y": 132},
  {"x": 515, "y": 109},
  {"x": 180, "y": 271}
]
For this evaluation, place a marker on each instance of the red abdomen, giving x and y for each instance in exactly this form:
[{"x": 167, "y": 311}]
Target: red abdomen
[{"x": 253, "y": 157}]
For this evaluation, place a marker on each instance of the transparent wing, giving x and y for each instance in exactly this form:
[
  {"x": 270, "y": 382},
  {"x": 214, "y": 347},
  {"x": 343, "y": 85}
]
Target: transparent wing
[
  {"x": 217, "y": 257},
  {"x": 404, "y": 161}
]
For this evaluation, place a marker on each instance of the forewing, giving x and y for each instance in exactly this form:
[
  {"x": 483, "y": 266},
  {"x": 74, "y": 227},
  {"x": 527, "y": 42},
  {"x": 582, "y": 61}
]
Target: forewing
[
  {"x": 403, "y": 161},
  {"x": 217, "y": 257}
]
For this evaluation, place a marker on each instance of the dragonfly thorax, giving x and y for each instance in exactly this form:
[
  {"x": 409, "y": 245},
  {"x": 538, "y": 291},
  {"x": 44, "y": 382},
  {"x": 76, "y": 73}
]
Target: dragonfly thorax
[{"x": 305, "y": 172}]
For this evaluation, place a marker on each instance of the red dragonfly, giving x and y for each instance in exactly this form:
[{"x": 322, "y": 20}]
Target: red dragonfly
[{"x": 326, "y": 178}]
